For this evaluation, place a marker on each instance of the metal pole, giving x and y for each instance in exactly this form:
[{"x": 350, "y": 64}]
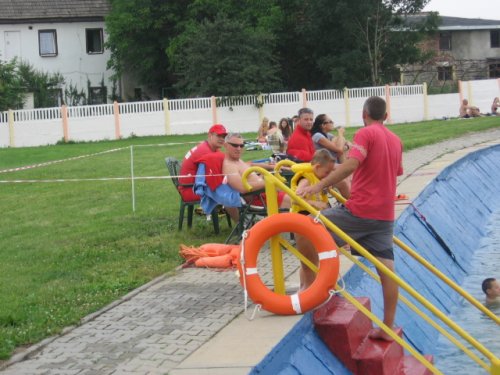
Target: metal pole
[{"x": 132, "y": 179}]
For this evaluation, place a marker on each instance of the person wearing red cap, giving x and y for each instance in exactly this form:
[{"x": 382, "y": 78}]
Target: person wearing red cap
[{"x": 213, "y": 143}]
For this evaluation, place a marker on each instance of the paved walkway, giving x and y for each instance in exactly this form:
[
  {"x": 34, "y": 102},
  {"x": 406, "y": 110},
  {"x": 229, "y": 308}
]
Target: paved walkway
[{"x": 154, "y": 329}]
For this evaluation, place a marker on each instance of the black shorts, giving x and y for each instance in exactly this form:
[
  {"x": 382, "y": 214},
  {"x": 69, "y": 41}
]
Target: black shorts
[{"x": 374, "y": 235}]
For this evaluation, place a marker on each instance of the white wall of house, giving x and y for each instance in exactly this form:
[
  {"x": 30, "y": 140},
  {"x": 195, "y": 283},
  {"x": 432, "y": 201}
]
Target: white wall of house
[
  {"x": 473, "y": 44},
  {"x": 72, "y": 60}
]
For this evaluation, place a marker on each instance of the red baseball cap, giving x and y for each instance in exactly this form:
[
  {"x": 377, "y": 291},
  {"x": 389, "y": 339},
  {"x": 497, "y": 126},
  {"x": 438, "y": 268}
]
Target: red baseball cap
[{"x": 218, "y": 129}]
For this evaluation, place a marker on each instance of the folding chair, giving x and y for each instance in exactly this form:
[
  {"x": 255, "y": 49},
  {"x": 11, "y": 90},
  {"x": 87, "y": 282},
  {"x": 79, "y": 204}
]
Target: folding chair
[
  {"x": 249, "y": 214},
  {"x": 174, "y": 168}
]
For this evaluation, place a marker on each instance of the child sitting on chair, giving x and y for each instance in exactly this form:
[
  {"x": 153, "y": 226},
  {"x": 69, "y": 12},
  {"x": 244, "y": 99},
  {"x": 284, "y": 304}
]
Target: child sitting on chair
[{"x": 307, "y": 174}]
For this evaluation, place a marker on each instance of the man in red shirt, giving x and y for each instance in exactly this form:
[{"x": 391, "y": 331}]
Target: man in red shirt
[
  {"x": 375, "y": 158},
  {"x": 214, "y": 142},
  {"x": 300, "y": 144}
]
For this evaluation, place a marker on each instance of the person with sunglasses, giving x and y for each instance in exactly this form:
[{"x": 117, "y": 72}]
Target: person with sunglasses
[
  {"x": 324, "y": 139},
  {"x": 233, "y": 168}
]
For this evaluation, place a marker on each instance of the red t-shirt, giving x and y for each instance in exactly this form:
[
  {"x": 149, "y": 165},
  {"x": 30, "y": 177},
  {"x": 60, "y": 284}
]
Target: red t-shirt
[
  {"x": 189, "y": 167},
  {"x": 380, "y": 156},
  {"x": 301, "y": 144}
]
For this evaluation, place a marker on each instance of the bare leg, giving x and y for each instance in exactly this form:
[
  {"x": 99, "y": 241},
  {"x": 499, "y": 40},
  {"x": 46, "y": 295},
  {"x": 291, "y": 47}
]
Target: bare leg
[
  {"x": 286, "y": 203},
  {"x": 307, "y": 275},
  {"x": 390, "y": 293},
  {"x": 233, "y": 212}
]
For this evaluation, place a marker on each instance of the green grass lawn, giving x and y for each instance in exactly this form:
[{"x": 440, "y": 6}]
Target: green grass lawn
[{"x": 69, "y": 248}]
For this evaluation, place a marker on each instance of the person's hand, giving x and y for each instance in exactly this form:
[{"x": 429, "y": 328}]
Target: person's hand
[{"x": 302, "y": 191}]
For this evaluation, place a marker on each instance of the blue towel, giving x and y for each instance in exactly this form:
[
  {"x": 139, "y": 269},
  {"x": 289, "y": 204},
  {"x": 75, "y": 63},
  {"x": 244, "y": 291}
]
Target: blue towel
[{"x": 224, "y": 194}]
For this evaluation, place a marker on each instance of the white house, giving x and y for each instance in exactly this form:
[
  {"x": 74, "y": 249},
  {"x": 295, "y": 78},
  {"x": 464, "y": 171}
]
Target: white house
[
  {"x": 464, "y": 49},
  {"x": 65, "y": 36}
]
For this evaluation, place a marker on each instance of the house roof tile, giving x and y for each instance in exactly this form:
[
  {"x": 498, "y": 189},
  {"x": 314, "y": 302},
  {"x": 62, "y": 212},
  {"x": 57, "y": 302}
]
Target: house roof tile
[
  {"x": 14, "y": 11},
  {"x": 467, "y": 22},
  {"x": 458, "y": 23}
]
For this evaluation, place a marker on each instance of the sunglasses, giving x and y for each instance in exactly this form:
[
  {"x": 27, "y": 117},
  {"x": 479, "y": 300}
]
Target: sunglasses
[
  {"x": 236, "y": 145},
  {"x": 328, "y": 122}
]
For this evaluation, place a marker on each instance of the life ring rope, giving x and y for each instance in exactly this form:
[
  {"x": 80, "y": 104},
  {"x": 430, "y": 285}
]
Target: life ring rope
[{"x": 258, "y": 307}]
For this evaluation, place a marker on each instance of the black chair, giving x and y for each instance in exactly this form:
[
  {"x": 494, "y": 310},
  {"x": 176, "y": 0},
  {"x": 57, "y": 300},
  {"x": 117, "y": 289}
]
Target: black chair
[
  {"x": 174, "y": 168},
  {"x": 248, "y": 215}
]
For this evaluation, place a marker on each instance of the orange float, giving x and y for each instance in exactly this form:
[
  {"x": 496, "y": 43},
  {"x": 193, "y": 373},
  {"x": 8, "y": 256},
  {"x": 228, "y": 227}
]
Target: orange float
[{"x": 301, "y": 302}]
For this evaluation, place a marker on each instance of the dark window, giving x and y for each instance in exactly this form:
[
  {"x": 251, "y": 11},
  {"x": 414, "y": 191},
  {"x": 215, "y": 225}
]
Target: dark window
[
  {"x": 495, "y": 38},
  {"x": 445, "y": 73},
  {"x": 97, "y": 95},
  {"x": 445, "y": 41},
  {"x": 95, "y": 42},
  {"x": 47, "y": 43},
  {"x": 494, "y": 70}
]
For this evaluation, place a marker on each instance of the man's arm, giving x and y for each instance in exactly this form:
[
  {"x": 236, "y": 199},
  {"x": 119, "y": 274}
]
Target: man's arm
[
  {"x": 233, "y": 177},
  {"x": 232, "y": 171},
  {"x": 344, "y": 188},
  {"x": 344, "y": 170},
  {"x": 300, "y": 154}
]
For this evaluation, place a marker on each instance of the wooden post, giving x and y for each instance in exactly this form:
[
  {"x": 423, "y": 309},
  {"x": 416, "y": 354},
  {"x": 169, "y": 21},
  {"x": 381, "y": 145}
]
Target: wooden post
[
  {"x": 64, "y": 115},
  {"x": 347, "y": 107},
  {"x": 426, "y": 102},
  {"x": 214, "y": 110},
  {"x": 116, "y": 113},
  {"x": 304, "y": 98},
  {"x": 166, "y": 113},
  {"x": 388, "y": 103},
  {"x": 10, "y": 119}
]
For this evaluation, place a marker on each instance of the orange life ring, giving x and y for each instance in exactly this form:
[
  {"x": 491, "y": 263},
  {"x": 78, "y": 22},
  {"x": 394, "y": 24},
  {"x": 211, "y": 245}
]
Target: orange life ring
[{"x": 326, "y": 278}]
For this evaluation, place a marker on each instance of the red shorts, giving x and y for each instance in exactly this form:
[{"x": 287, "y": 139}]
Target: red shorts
[{"x": 261, "y": 199}]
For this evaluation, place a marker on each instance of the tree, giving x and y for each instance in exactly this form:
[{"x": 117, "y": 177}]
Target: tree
[
  {"x": 298, "y": 40},
  {"x": 225, "y": 57},
  {"x": 358, "y": 42},
  {"x": 11, "y": 87},
  {"x": 44, "y": 86},
  {"x": 203, "y": 47},
  {"x": 386, "y": 36},
  {"x": 139, "y": 31},
  {"x": 19, "y": 78}
]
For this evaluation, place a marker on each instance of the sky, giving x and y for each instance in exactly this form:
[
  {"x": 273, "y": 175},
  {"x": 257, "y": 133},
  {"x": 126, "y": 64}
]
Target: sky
[{"x": 485, "y": 9}]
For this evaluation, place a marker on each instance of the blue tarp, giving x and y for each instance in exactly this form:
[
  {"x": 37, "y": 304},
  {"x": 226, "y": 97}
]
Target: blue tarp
[{"x": 457, "y": 206}]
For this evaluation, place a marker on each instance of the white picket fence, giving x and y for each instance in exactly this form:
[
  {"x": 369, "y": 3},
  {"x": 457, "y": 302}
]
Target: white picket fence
[{"x": 36, "y": 127}]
